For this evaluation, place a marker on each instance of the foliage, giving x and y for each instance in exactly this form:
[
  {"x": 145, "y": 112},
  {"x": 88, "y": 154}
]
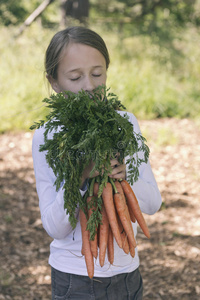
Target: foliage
[
  {"x": 22, "y": 77},
  {"x": 16, "y": 12},
  {"x": 149, "y": 15},
  {"x": 151, "y": 80},
  {"x": 155, "y": 81},
  {"x": 86, "y": 127},
  {"x": 12, "y": 12}
]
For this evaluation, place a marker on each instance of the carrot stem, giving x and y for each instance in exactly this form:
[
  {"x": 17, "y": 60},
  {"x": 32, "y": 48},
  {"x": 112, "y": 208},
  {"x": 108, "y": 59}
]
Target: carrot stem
[{"x": 91, "y": 189}]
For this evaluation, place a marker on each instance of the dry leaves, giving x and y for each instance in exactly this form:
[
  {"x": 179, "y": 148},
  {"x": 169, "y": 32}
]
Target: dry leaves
[{"x": 170, "y": 260}]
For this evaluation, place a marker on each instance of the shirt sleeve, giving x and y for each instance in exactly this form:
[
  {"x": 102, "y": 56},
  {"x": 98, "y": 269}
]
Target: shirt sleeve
[
  {"x": 51, "y": 202},
  {"x": 145, "y": 188}
]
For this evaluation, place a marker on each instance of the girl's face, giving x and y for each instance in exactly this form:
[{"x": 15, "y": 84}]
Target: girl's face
[{"x": 81, "y": 68}]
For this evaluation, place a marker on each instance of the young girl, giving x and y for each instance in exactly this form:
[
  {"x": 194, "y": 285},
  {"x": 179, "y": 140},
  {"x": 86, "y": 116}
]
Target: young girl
[{"x": 77, "y": 58}]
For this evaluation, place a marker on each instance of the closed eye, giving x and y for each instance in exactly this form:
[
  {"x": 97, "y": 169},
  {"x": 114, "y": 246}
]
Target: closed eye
[
  {"x": 96, "y": 75},
  {"x": 75, "y": 79}
]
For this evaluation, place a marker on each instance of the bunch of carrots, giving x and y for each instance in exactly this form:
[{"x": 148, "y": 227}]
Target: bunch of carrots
[{"x": 119, "y": 208}]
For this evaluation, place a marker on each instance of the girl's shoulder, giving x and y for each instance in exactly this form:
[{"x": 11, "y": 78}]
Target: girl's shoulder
[
  {"x": 39, "y": 134},
  {"x": 124, "y": 112},
  {"x": 132, "y": 118}
]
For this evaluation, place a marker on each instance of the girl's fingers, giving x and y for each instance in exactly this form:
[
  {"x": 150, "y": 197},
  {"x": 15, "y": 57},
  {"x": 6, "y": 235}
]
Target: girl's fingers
[
  {"x": 95, "y": 174},
  {"x": 119, "y": 172},
  {"x": 114, "y": 162},
  {"x": 118, "y": 176}
]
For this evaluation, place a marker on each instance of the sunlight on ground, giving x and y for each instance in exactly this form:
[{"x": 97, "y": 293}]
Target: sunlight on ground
[{"x": 40, "y": 272}]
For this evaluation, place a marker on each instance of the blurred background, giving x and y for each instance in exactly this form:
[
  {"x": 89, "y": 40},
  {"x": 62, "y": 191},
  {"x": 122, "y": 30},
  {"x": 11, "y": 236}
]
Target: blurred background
[{"x": 154, "y": 49}]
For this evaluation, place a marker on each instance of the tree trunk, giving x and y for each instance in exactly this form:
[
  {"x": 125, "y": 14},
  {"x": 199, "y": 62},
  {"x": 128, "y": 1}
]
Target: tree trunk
[
  {"x": 63, "y": 20},
  {"x": 34, "y": 15},
  {"x": 77, "y": 9}
]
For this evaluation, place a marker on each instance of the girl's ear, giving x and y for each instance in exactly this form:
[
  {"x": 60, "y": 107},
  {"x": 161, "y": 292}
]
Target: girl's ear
[{"x": 53, "y": 83}]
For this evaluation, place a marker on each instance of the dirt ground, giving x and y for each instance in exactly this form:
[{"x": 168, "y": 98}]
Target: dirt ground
[{"x": 170, "y": 260}]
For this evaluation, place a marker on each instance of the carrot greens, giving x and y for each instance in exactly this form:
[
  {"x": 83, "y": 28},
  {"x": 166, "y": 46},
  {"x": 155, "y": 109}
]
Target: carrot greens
[{"x": 83, "y": 127}]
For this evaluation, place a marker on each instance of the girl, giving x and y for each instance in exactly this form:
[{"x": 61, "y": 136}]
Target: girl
[{"x": 77, "y": 58}]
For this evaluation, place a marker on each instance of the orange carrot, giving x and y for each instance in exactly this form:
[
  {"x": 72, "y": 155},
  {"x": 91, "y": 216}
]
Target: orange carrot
[
  {"x": 110, "y": 248},
  {"x": 130, "y": 212},
  {"x": 125, "y": 245},
  {"x": 120, "y": 190},
  {"x": 98, "y": 234},
  {"x": 91, "y": 207},
  {"x": 103, "y": 236},
  {"x": 123, "y": 214},
  {"x": 86, "y": 245},
  {"x": 131, "y": 248},
  {"x": 82, "y": 250},
  {"x": 132, "y": 200},
  {"x": 93, "y": 243},
  {"x": 107, "y": 196}
]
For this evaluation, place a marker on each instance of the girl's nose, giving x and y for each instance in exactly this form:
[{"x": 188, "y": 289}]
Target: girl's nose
[{"x": 89, "y": 85}]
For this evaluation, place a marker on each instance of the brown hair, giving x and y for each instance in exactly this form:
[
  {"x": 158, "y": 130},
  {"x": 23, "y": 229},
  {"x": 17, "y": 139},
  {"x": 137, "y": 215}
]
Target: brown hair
[{"x": 76, "y": 34}]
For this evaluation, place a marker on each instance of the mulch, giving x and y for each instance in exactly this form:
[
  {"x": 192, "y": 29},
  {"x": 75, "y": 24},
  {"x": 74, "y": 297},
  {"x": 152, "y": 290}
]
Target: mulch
[{"x": 170, "y": 260}]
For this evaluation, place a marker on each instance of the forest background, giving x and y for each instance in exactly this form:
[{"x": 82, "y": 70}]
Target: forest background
[{"x": 155, "y": 48}]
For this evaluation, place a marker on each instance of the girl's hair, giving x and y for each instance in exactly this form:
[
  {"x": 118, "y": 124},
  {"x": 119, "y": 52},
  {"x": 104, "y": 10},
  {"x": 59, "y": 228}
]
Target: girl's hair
[{"x": 76, "y": 34}]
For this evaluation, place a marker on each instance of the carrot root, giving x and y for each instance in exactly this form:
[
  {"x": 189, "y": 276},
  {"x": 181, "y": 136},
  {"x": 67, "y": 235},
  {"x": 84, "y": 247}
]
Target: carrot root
[
  {"x": 120, "y": 190},
  {"x": 103, "y": 236},
  {"x": 110, "y": 248},
  {"x": 107, "y": 196},
  {"x": 123, "y": 213},
  {"x": 86, "y": 245},
  {"x": 134, "y": 206},
  {"x": 93, "y": 243},
  {"x": 125, "y": 245}
]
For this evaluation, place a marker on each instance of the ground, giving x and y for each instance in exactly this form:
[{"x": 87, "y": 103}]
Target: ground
[{"x": 170, "y": 260}]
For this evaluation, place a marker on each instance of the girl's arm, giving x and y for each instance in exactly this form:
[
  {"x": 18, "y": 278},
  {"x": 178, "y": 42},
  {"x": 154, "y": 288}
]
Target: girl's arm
[
  {"x": 54, "y": 218},
  {"x": 145, "y": 188}
]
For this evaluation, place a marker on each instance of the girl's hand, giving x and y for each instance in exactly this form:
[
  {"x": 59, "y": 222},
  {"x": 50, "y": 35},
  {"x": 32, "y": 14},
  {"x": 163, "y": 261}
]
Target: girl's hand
[
  {"x": 118, "y": 171},
  {"x": 86, "y": 173}
]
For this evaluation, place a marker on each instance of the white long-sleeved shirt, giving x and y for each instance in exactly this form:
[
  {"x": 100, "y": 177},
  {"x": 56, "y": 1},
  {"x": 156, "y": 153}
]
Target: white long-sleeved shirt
[{"x": 65, "y": 249}]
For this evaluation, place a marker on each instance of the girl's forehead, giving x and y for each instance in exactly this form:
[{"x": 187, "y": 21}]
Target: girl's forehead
[
  {"x": 76, "y": 54},
  {"x": 75, "y": 48}
]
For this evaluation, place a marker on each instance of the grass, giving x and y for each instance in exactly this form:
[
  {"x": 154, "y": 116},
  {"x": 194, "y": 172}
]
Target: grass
[
  {"x": 165, "y": 136},
  {"x": 152, "y": 80},
  {"x": 22, "y": 78}
]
